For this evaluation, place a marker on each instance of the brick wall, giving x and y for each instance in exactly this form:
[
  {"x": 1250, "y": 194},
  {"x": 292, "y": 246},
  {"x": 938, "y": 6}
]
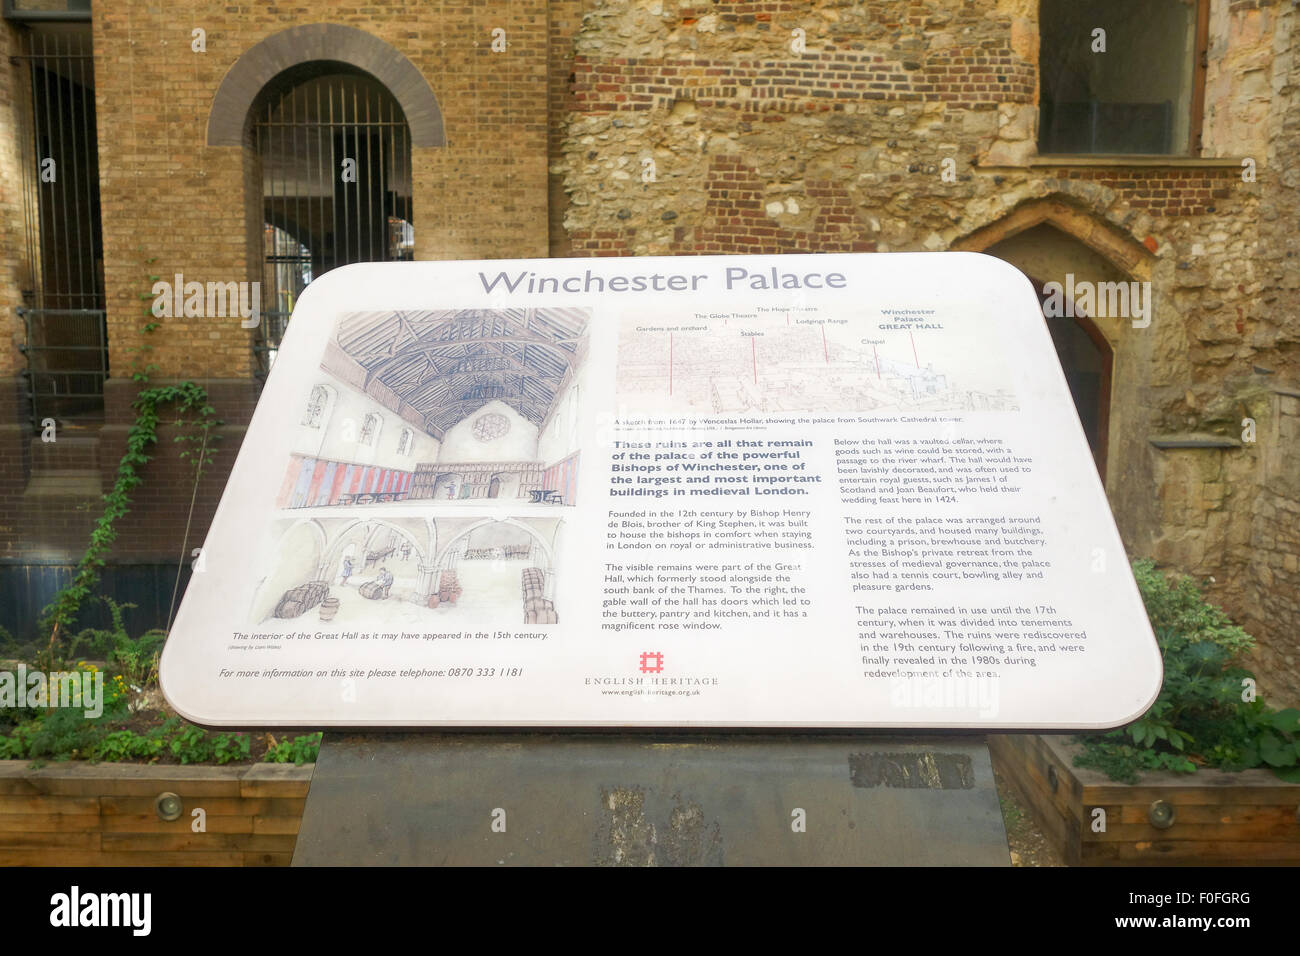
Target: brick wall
[
  {"x": 54, "y": 528},
  {"x": 1269, "y": 598},
  {"x": 168, "y": 196},
  {"x": 961, "y": 76},
  {"x": 173, "y": 204},
  {"x": 160, "y": 505},
  {"x": 565, "y": 19},
  {"x": 757, "y": 148},
  {"x": 1165, "y": 192},
  {"x": 13, "y": 274}
]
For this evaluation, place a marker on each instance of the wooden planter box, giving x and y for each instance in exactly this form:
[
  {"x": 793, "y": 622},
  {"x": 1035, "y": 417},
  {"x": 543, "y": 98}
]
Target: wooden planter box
[
  {"x": 79, "y": 814},
  {"x": 1219, "y": 819}
]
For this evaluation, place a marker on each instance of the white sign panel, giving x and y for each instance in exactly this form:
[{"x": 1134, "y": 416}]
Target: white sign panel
[{"x": 752, "y": 491}]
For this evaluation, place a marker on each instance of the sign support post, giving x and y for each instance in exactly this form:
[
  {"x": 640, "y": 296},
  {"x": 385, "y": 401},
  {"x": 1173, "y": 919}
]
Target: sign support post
[{"x": 473, "y": 799}]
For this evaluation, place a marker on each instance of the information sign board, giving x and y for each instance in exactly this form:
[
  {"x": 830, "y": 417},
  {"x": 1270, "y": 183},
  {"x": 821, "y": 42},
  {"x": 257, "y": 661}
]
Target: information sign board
[{"x": 753, "y": 491}]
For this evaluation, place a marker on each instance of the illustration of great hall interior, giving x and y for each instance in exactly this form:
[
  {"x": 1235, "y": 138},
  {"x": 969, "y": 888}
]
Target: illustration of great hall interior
[{"x": 446, "y": 406}]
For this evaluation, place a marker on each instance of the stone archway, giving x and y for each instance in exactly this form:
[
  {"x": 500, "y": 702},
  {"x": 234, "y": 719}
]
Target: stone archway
[
  {"x": 532, "y": 532},
  {"x": 1046, "y": 239},
  {"x": 331, "y": 42},
  {"x": 1123, "y": 252}
]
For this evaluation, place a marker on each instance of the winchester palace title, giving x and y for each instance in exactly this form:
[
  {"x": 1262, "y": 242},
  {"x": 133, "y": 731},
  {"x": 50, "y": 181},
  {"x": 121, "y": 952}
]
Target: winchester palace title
[{"x": 733, "y": 278}]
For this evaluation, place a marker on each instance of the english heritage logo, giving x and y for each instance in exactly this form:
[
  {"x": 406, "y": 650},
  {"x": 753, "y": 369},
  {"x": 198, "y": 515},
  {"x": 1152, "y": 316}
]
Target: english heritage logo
[{"x": 654, "y": 664}]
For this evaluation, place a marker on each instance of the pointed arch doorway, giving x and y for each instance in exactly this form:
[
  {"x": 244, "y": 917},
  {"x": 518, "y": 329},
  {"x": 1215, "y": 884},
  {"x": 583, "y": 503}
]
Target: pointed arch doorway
[
  {"x": 1088, "y": 362},
  {"x": 1046, "y": 253}
]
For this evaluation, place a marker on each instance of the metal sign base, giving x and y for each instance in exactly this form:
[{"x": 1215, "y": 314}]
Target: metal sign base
[{"x": 651, "y": 800}]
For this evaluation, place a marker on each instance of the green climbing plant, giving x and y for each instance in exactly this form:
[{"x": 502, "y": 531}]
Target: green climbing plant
[
  {"x": 141, "y": 367},
  {"x": 187, "y": 399},
  {"x": 197, "y": 434}
]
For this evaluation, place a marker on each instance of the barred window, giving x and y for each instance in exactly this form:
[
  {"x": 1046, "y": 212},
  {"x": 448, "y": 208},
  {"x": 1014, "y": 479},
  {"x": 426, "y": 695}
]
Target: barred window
[{"x": 334, "y": 149}]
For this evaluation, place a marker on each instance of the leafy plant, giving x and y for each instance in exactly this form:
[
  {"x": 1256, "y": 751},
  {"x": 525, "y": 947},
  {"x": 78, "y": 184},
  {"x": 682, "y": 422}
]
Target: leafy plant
[
  {"x": 62, "y": 733},
  {"x": 65, "y": 733},
  {"x": 1174, "y": 603},
  {"x": 1200, "y": 717},
  {"x": 134, "y": 659},
  {"x": 231, "y": 748},
  {"x": 141, "y": 369},
  {"x": 191, "y": 745},
  {"x": 299, "y": 750},
  {"x": 123, "y": 745},
  {"x": 186, "y": 398}
]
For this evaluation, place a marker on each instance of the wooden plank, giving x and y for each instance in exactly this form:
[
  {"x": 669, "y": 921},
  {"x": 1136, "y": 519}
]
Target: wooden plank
[
  {"x": 213, "y": 806},
  {"x": 79, "y": 778},
  {"x": 51, "y": 842},
  {"x": 48, "y": 822},
  {"x": 1200, "y": 63},
  {"x": 1013, "y": 757},
  {"x": 1280, "y": 832},
  {"x": 1246, "y": 818},
  {"x": 1215, "y": 813},
  {"x": 140, "y": 842},
  {"x": 1197, "y": 852},
  {"x": 1246, "y": 780},
  {"x": 277, "y": 788},
  {"x": 14, "y": 778},
  {"x": 1066, "y": 798},
  {"x": 87, "y": 858},
  {"x": 277, "y": 780},
  {"x": 1099, "y": 854},
  {"x": 1063, "y": 803},
  {"x": 131, "y": 786},
  {"x": 149, "y": 823},
  {"x": 1219, "y": 795},
  {"x": 43, "y": 804},
  {"x": 278, "y": 825},
  {"x": 268, "y": 859}
]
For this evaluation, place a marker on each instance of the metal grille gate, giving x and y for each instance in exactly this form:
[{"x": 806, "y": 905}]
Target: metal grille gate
[
  {"x": 335, "y": 155},
  {"x": 63, "y": 312}
]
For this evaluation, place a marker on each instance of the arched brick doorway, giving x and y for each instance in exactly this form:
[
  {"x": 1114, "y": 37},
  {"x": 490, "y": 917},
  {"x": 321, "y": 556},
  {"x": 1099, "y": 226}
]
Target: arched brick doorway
[
  {"x": 332, "y": 150},
  {"x": 229, "y": 118},
  {"x": 327, "y": 116}
]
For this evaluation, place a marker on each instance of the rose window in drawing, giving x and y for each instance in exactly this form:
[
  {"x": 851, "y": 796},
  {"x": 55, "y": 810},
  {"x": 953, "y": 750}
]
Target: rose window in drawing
[{"x": 490, "y": 426}]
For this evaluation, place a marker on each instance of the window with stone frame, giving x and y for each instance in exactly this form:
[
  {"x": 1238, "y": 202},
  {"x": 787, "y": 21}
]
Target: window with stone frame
[
  {"x": 369, "y": 429},
  {"x": 404, "y": 442},
  {"x": 315, "y": 412},
  {"x": 1123, "y": 77}
]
